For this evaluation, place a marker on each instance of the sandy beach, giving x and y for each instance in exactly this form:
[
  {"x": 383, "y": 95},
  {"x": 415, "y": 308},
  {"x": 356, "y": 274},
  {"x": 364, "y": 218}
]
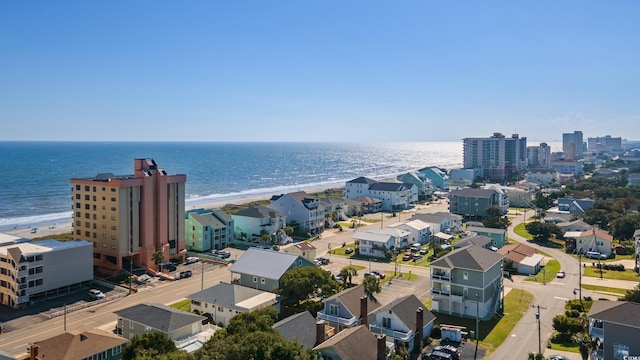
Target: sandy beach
[{"x": 66, "y": 227}]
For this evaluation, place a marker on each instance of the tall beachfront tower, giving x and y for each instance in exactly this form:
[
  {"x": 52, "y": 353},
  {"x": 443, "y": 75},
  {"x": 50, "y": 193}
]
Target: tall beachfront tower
[
  {"x": 539, "y": 157},
  {"x": 498, "y": 156},
  {"x": 129, "y": 217},
  {"x": 572, "y": 145}
]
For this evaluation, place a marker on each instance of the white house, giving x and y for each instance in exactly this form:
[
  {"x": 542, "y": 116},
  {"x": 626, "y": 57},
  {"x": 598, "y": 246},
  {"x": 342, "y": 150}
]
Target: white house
[
  {"x": 395, "y": 196},
  {"x": 543, "y": 177},
  {"x": 253, "y": 220},
  {"x": 374, "y": 244},
  {"x": 302, "y": 208},
  {"x": 419, "y": 231}
]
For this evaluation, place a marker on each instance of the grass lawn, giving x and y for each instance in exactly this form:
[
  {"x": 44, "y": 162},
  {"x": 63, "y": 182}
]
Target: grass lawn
[
  {"x": 569, "y": 346},
  {"x": 184, "y": 305},
  {"x": 493, "y": 332},
  {"x": 627, "y": 274},
  {"x": 605, "y": 289},
  {"x": 520, "y": 230},
  {"x": 548, "y": 274}
]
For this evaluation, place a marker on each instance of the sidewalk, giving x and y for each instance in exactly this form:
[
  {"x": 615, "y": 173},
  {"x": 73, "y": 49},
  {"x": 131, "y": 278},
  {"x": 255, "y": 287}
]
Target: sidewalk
[{"x": 619, "y": 284}]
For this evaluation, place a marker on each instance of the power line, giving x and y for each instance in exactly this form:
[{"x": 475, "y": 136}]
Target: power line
[{"x": 538, "y": 319}]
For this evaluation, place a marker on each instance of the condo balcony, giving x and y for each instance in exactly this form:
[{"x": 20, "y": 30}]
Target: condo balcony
[{"x": 399, "y": 335}]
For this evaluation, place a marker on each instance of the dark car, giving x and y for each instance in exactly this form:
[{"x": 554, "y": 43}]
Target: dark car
[
  {"x": 380, "y": 274},
  {"x": 224, "y": 254},
  {"x": 449, "y": 349},
  {"x": 184, "y": 274},
  {"x": 175, "y": 261},
  {"x": 417, "y": 258},
  {"x": 168, "y": 266},
  {"x": 348, "y": 251},
  {"x": 323, "y": 260}
]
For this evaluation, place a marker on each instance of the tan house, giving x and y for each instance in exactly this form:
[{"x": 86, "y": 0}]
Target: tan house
[
  {"x": 522, "y": 258},
  {"x": 303, "y": 249},
  {"x": 92, "y": 344}
]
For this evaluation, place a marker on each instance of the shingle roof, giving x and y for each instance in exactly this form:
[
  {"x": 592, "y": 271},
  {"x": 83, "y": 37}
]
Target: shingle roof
[
  {"x": 356, "y": 343},
  {"x": 478, "y": 240},
  {"x": 517, "y": 252},
  {"x": 350, "y": 298},
  {"x": 387, "y": 186},
  {"x": 362, "y": 180},
  {"x": 304, "y": 246},
  {"x": 475, "y": 193},
  {"x": 226, "y": 295},
  {"x": 259, "y": 211},
  {"x": 68, "y": 346},
  {"x": 159, "y": 317},
  {"x": 471, "y": 257},
  {"x": 208, "y": 219},
  {"x": 405, "y": 308},
  {"x": 600, "y": 234},
  {"x": 620, "y": 312},
  {"x": 266, "y": 263},
  {"x": 300, "y": 327},
  {"x": 486, "y": 230},
  {"x": 222, "y": 216}
]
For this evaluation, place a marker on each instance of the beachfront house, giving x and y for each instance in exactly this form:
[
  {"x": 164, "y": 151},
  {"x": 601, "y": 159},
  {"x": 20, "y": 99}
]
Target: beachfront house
[
  {"x": 208, "y": 230},
  {"x": 262, "y": 268},
  {"x": 402, "y": 320},
  {"x": 223, "y": 301},
  {"x": 395, "y": 196},
  {"x": 32, "y": 270},
  {"x": 252, "y": 222},
  {"x": 467, "y": 282},
  {"x": 301, "y": 208},
  {"x": 437, "y": 176},
  {"x": 423, "y": 185}
]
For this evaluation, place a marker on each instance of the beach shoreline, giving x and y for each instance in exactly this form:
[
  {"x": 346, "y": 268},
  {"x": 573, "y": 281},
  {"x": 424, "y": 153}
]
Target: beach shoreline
[{"x": 55, "y": 228}]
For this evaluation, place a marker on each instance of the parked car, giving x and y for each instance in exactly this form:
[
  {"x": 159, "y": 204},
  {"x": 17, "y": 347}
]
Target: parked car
[
  {"x": 380, "y": 274},
  {"x": 437, "y": 355},
  {"x": 407, "y": 256},
  {"x": 338, "y": 277},
  {"x": 168, "y": 266},
  {"x": 348, "y": 251},
  {"x": 595, "y": 255},
  {"x": 323, "y": 260},
  {"x": 424, "y": 251},
  {"x": 175, "y": 261},
  {"x": 415, "y": 247},
  {"x": 95, "y": 294},
  {"x": 184, "y": 274},
  {"x": 368, "y": 274},
  {"x": 560, "y": 274},
  {"x": 191, "y": 260},
  {"x": 417, "y": 258},
  {"x": 224, "y": 254},
  {"x": 449, "y": 349},
  {"x": 558, "y": 357}
]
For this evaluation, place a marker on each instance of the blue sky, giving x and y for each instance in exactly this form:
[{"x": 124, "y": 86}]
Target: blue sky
[{"x": 318, "y": 70}]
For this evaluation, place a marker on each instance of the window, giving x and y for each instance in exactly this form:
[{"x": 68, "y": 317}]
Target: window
[
  {"x": 620, "y": 351},
  {"x": 255, "y": 279},
  {"x": 333, "y": 309},
  {"x": 465, "y": 275},
  {"x": 78, "y": 188},
  {"x": 386, "y": 323},
  {"x": 86, "y": 188},
  {"x": 262, "y": 281},
  {"x": 130, "y": 324},
  {"x": 77, "y": 205}
]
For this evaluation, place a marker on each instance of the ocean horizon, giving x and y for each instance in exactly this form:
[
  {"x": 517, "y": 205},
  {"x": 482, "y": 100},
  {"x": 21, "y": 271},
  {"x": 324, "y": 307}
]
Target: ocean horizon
[{"x": 35, "y": 175}]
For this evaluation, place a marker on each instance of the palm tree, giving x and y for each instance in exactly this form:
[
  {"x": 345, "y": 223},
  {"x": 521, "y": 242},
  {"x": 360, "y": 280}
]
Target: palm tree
[
  {"x": 348, "y": 272},
  {"x": 371, "y": 285},
  {"x": 264, "y": 236},
  {"x": 157, "y": 256}
]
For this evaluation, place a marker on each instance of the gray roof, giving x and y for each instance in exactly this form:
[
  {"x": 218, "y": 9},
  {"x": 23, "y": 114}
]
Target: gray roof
[
  {"x": 350, "y": 298},
  {"x": 159, "y": 317},
  {"x": 226, "y": 295},
  {"x": 478, "y": 240},
  {"x": 438, "y": 217},
  {"x": 486, "y": 230},
  {"x": 387, "y": 186},
  {"x": 266, "y": 263},
  {"x": 222, "y": 216},
  {"x": 405, "y": 308},
  {"x": 619, "y": 312},
  {"x": 207, "y": 219},
  {"x": 260, "y": 212},
  {"x": 356, "y": 343},
  {"x": 362, "y": 180},
  {"x": 471, "y": 257},
  {"x": 300, "y": 327},
  {"x": 474, "y": 193}
]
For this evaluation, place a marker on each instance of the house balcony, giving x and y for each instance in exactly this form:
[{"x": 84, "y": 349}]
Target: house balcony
[
  {"x": 596, "y": 331},
  {"x": 441, "y": 276},
  {"x": 353, "y": 321},
  {"x": 399, "y": 335}
]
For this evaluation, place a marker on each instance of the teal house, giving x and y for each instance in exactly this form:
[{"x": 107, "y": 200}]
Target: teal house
[
  {"x": 437, "y": 176},
  {"x": 498, "y": 236},
  {"x": 207, "y": 230}
]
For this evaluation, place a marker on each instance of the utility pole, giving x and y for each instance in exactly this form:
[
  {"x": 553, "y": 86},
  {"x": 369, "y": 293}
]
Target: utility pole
[
  {"x": 475, "y": 356},
  {"x": 580, "y": 275},
  {"x": 538, "y": 319},
  {"x": 64, "y": 311},
  {"x": 202, "y": 277}
]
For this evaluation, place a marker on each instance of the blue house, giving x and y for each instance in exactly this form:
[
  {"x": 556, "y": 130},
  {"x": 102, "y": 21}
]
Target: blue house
[{"x": 438, "y": 177}]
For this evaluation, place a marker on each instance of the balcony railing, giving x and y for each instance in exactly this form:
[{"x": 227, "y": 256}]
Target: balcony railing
[
  {"x": 404, "y": 336},
  {"x": 441, "y": 276},
  {"x": 336, "y": 319},
  {"x": 441, "y": 292},
  {"x": 596, "y": 331}
]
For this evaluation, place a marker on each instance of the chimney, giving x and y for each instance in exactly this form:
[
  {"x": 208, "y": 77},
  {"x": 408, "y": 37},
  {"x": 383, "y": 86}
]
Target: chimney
[
  {"x": 419, "y": 324},
  {"x": 364, "y": 311},
  {"x": 33, "y": 352},
  {"x": 382, "y": 347},
  {"x": 320, "y": 335}
]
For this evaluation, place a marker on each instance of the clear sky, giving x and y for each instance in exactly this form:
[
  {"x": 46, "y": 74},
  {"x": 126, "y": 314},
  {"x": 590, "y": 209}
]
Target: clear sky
[{"x": 318, "y": 70}]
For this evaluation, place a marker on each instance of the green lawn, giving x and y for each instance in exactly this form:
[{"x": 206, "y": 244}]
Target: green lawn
[
  {"x": 184, "y": 305},
  {"x": 570, "y": 346},
  {"x": 548, "y": 274},
  {"x": 627, "y": 274},
  {"x": 493, "y": 332},
  {"x": 605, "y": 289},
  {"x": 520, "y": 230}
]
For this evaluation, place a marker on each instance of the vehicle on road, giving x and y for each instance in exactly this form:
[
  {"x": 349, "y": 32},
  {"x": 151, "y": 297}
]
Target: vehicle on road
[
  {"x": 368, "y": 274},
  {"x": 191, "y": 260},
  {"x": 595, "y": 255},
  {"x": 348, "y": 251},
  {"x": 560, "y": 274},
  {"x": 96, "y": 294},
  {"x": 407, "y": 257},
  {"x": 323, "y": 260},
  {"x": 558, "y": 357},
  {"x": 380, "y": 274},
  {"x": 168, "y": 266},
  {"x": 184, "y": 274}
]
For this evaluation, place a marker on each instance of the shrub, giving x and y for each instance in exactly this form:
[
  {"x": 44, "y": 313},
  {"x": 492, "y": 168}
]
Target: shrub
[
  {"x": 572, "y": 313},
  {"x": 435, "y": 332}
]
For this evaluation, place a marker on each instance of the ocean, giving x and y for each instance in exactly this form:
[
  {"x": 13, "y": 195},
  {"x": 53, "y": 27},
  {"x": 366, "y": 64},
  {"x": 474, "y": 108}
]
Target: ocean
[{"x": 35, "y": 188}]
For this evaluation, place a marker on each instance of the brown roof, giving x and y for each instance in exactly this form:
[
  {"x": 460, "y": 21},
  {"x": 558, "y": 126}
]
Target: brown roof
[
  {"x": 304, "y": 246},
  {"x": 356, "y": 343},
  {"x": 600, "y": 234},
  {"x": 69, "y": 346},
  {"x": 517, "y": 252}
]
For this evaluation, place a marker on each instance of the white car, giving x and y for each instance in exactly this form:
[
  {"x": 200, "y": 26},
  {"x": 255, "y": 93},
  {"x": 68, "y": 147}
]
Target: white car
[
  {"x": 95, "y": 294},
  {"x": 191, "y": 260}
]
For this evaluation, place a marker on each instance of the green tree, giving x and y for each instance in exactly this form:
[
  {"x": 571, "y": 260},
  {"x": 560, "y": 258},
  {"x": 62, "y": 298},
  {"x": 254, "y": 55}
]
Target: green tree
[
  {"x": 299, "y": 284},
  {"x": 542, "y": 231},
  {"x": 493, "y": 218},
  {"x": 149, "y": 345},
  {"x": 265, "y": 237},
  {"x": 347, "y": 273},
  {"x": 623, "y": 227},
  {"x": 371, "y": 285},
  {"x": 157, "y": 256},
  {"x": 632, "y": 295}
]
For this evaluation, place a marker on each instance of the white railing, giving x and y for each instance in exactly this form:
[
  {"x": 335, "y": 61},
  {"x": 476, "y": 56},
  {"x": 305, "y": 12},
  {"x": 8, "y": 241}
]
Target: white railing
[
  {"x": 336, "y": 319},
  {"x": 404, "y": 336}
]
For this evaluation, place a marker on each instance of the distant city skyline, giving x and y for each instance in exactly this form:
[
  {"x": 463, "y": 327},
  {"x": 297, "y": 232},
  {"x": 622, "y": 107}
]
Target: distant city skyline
[{"x": 361, "y": 71}]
